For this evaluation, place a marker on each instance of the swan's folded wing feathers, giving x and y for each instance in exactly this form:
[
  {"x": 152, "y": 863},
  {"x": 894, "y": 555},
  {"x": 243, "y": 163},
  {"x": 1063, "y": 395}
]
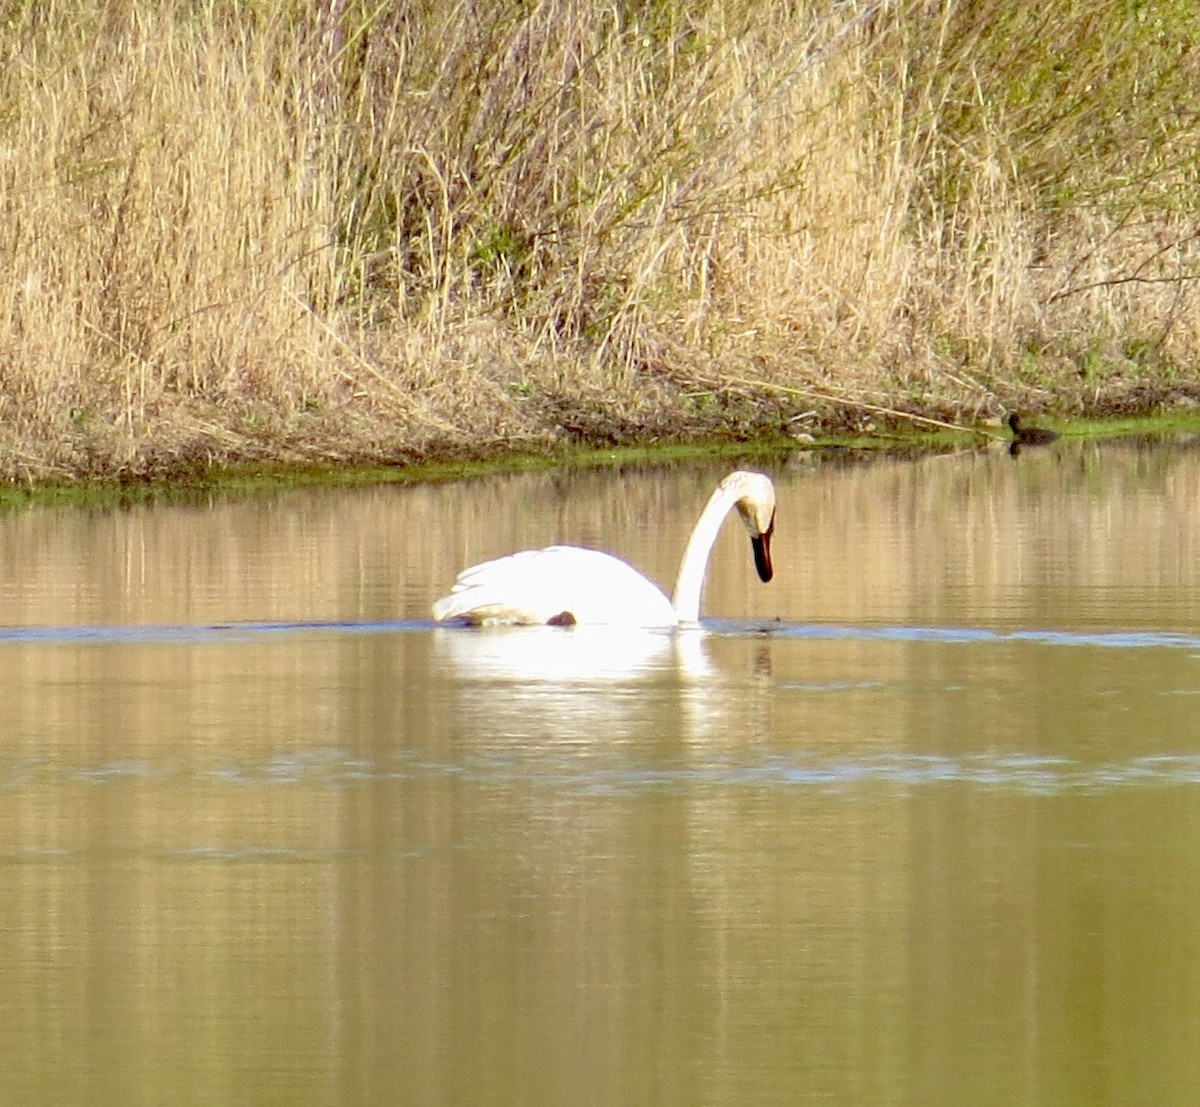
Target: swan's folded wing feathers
[
  {"x": 536, "y": 586},
  {"x": 497, "y": 591}
]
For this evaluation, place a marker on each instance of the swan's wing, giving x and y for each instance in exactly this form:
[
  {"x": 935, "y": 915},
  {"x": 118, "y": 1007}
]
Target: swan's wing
[{"x": 537, "y": 586}]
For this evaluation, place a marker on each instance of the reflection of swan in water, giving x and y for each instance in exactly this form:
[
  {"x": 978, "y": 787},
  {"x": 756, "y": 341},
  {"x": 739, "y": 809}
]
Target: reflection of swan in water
[
  {"x": 586, "y": 683},
  {"x": 606, "y": 656},
  {"x": 569, "y": 585}
]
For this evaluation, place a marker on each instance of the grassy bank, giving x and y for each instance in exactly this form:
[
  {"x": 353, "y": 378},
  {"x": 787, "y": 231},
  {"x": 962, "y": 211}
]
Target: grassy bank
[{"x": 371, "y": 234}]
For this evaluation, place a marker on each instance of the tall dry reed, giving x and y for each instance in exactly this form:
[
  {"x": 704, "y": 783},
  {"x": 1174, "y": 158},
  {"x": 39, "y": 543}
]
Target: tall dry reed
[{"x": 354, "y": 231}]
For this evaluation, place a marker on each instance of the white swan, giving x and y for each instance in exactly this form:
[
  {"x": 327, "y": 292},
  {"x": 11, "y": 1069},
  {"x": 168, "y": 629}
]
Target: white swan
[{"x": 569, "y": 584}]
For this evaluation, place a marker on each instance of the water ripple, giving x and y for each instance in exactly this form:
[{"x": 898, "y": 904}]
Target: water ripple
[
  {"x": 184, "y": 634},
  {"x": 1114, "y": 639},
  {"x": 1024, "y": 774},
  {"x": 521, "y": 769},
  {"x": 191, "y": 634}
]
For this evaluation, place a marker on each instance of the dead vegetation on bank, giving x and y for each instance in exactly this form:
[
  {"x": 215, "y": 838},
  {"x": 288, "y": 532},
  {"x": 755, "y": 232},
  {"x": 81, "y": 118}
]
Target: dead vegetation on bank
[{"x": 362, "y": 233}]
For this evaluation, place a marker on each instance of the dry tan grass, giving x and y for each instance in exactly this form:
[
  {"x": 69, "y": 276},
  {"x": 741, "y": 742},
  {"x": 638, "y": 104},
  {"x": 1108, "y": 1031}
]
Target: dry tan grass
[{"x": 375, "y": 233}]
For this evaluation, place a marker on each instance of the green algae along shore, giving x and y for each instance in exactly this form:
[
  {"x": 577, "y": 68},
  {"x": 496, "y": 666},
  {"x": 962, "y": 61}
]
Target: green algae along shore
[{"x": 312, "y": 237}]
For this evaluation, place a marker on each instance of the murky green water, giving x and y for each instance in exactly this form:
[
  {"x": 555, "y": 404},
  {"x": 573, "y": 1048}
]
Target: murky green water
[{"x": 914, "y": 824}]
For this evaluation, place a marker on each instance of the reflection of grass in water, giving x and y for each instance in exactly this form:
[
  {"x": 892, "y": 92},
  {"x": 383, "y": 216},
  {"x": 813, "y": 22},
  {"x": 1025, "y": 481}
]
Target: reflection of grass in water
[{"x": 356, "y": 233}]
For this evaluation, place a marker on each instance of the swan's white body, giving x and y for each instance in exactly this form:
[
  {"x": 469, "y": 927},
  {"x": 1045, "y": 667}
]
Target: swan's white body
[{"x": 570, "y": 584}]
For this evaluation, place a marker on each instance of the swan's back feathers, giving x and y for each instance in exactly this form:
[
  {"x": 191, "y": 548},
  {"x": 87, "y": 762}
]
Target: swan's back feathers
[{"x": 560, "y": 584}]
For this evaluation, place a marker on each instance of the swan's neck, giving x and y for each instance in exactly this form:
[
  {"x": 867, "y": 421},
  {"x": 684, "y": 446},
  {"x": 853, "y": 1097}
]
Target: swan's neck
[{"x": 694, "y": 566}]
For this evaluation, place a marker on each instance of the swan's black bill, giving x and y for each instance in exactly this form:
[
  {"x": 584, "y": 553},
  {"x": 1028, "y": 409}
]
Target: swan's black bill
[{"x": 762, "y": 553}]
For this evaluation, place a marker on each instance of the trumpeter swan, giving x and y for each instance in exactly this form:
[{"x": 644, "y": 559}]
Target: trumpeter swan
[{"x": 569, "y": 584}]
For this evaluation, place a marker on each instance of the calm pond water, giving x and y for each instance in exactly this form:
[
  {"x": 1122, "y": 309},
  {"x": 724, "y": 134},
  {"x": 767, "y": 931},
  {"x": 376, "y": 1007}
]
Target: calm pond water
[{"x": 916, "y": 823}]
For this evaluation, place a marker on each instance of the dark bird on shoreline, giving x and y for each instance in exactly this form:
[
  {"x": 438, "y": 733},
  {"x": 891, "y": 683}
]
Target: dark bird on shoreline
[{"x": 1029, "y": 436}]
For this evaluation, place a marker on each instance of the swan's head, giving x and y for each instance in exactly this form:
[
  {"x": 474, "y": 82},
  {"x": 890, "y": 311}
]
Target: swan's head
[{"x": 756, "y": 505}]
